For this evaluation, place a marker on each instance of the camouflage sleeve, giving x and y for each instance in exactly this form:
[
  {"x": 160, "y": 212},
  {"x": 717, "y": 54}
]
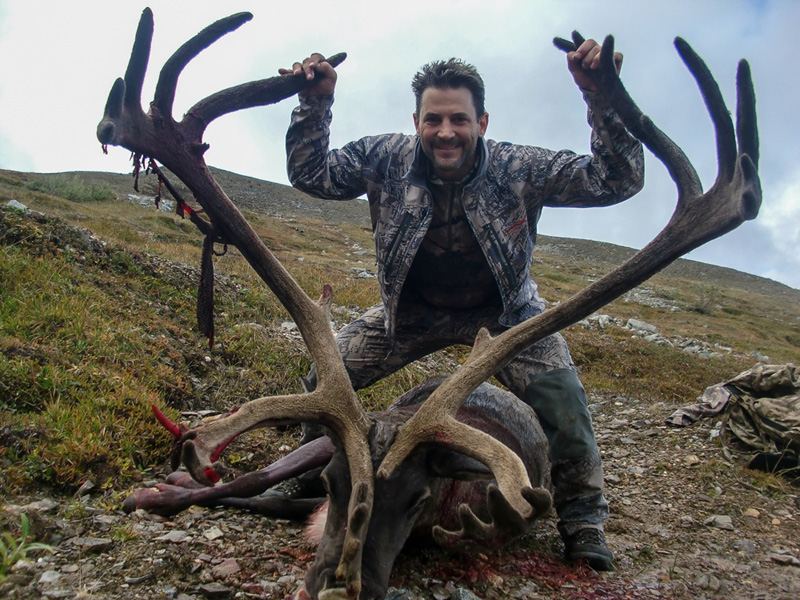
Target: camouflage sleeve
[
  {"x": 612, "y": 173},
  {"x": 311, "y": 165}
]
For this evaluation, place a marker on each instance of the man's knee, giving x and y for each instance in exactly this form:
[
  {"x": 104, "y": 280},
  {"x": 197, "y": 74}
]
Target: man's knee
[{"x": 560, "y": 402}]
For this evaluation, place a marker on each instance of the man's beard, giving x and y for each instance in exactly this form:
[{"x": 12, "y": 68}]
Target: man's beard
[{"x": 449, "y": 164}]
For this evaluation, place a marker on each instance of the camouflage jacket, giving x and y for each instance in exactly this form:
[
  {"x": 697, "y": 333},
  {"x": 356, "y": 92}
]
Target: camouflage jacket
[{"x": 503, "y": 201}]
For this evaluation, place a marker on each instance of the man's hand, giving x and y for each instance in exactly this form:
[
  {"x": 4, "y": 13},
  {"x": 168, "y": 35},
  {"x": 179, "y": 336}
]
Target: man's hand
[
  {"x": 315, "y": 68},
  {"x": 587, "y": 58}
]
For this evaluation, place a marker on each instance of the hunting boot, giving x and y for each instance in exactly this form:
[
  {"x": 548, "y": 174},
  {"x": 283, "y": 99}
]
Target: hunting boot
[{"x": 303, "y": 487}]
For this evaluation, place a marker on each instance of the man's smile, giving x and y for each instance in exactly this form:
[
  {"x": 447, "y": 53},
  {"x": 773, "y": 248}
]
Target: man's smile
[{"x": 448, "y": 150}]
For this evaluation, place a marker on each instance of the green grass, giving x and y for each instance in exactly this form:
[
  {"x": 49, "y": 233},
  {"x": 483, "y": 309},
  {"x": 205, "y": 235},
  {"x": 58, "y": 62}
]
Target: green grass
[
  {"x": 92, "y": 333},
  {"x": 71, "y": 188},
  {"x": 15, "y": 548},
  {"x": 614, "y": 363}
]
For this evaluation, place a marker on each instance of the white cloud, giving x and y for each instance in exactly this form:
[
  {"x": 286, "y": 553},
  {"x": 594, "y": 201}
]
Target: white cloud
[{"x": 60, "y": 59}]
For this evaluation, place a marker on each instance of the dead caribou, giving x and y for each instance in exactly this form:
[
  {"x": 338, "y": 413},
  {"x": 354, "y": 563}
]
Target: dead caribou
[{"x": 372, "y": 457}]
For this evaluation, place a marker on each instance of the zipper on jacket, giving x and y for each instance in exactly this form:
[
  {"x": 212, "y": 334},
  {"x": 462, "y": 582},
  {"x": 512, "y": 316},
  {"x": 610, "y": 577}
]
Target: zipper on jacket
[
  {"x": 390, "y": 256},
  {"x": 495, "y": 241}
]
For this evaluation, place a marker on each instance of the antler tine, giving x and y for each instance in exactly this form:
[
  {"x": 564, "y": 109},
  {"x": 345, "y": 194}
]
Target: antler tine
[
  {"x": 359, "y": 512},
  {"x": 126, "y": 94},
  {"x": 248, "y": 95},
  {"x": 173, "y": 428},
  {"x": 168, "y": 78},
  {"x": 717, "y": 109},
  {"x": 607, "y": 79},
  {"x": 435, "y": 422},
  {"x": 344, "y": 414},
  {"x": 106, "y": 129},
  {"x": 668, "y": 152},
  {"x": 746, "y": 120},
  {"x": 137, "y": 65},
  {"x": 697, "y": 219},
  {"x": 577, "y": 39},
  {"x": 504, "y": 520}
]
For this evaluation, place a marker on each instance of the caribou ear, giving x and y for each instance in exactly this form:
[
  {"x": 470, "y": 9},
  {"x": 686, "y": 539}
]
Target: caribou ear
[{"x": 443, "y": 462}]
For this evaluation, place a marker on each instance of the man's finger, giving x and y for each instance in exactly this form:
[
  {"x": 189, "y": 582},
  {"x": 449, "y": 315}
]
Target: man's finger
[
  {"x": 618, "y": 61},
  {"x": 592, "y": 58}
]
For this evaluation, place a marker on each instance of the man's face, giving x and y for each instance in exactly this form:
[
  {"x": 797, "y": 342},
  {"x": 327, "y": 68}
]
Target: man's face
[{"x": 449, "y": 128}]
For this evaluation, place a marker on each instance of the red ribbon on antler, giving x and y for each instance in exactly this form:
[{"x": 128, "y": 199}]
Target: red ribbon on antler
[{"x": 173, "y": 428}]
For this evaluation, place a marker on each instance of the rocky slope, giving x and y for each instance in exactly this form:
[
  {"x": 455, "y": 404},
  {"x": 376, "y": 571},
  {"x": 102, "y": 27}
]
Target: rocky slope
[
  {"x": 684, "y": 524},
  {"x": 686, "y": 520}
]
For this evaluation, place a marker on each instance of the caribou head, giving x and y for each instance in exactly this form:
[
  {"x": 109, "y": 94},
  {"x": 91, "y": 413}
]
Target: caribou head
[{"x": 381, "y": 467}]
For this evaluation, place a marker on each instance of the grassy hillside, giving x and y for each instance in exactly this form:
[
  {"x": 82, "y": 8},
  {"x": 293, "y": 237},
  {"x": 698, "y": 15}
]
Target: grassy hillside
[{"x": 97, "y": 323}]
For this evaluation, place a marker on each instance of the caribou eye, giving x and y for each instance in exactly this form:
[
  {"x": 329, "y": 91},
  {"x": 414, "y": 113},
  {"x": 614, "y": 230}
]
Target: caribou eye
[{"x": 419, "y": 502}]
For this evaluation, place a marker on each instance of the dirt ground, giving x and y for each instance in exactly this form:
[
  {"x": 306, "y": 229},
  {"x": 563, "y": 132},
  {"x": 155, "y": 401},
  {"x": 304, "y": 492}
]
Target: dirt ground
[{"x": 686, "y": 522}]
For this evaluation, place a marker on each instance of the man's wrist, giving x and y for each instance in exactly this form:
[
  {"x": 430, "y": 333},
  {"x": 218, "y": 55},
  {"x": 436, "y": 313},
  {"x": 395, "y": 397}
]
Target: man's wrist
[{"x": 315, "y": 101}]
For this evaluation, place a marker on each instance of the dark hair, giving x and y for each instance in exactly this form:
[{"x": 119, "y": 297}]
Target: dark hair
[{"x": 453, "y": 73}]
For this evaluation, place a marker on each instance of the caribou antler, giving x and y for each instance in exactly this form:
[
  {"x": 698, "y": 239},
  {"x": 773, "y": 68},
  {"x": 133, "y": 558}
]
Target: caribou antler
[
  {"x": 698, "y": 218},
  {"x": 179, "y": 146},
  {"x": 505, "y": 522}
]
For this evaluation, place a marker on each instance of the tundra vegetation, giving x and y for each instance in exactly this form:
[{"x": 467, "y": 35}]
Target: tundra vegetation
[{"x": 97, "y": 322}]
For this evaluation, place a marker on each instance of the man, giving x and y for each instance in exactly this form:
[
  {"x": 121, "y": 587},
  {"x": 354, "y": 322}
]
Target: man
[{"x": 454, "y": 218}]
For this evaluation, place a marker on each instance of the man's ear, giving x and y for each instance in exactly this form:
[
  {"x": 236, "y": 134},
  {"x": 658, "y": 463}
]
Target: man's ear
[
  {"x": 483, "y": 123},
  {"x": 416, "y": 122}
]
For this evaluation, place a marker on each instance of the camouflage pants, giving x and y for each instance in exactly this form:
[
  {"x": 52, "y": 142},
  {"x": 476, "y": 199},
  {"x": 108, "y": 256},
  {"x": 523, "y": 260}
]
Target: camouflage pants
[{"x": 543, "y": 376}]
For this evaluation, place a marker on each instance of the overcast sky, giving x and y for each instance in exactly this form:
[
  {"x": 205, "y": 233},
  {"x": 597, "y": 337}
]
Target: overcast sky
[{"x": 59, "y": 59}]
